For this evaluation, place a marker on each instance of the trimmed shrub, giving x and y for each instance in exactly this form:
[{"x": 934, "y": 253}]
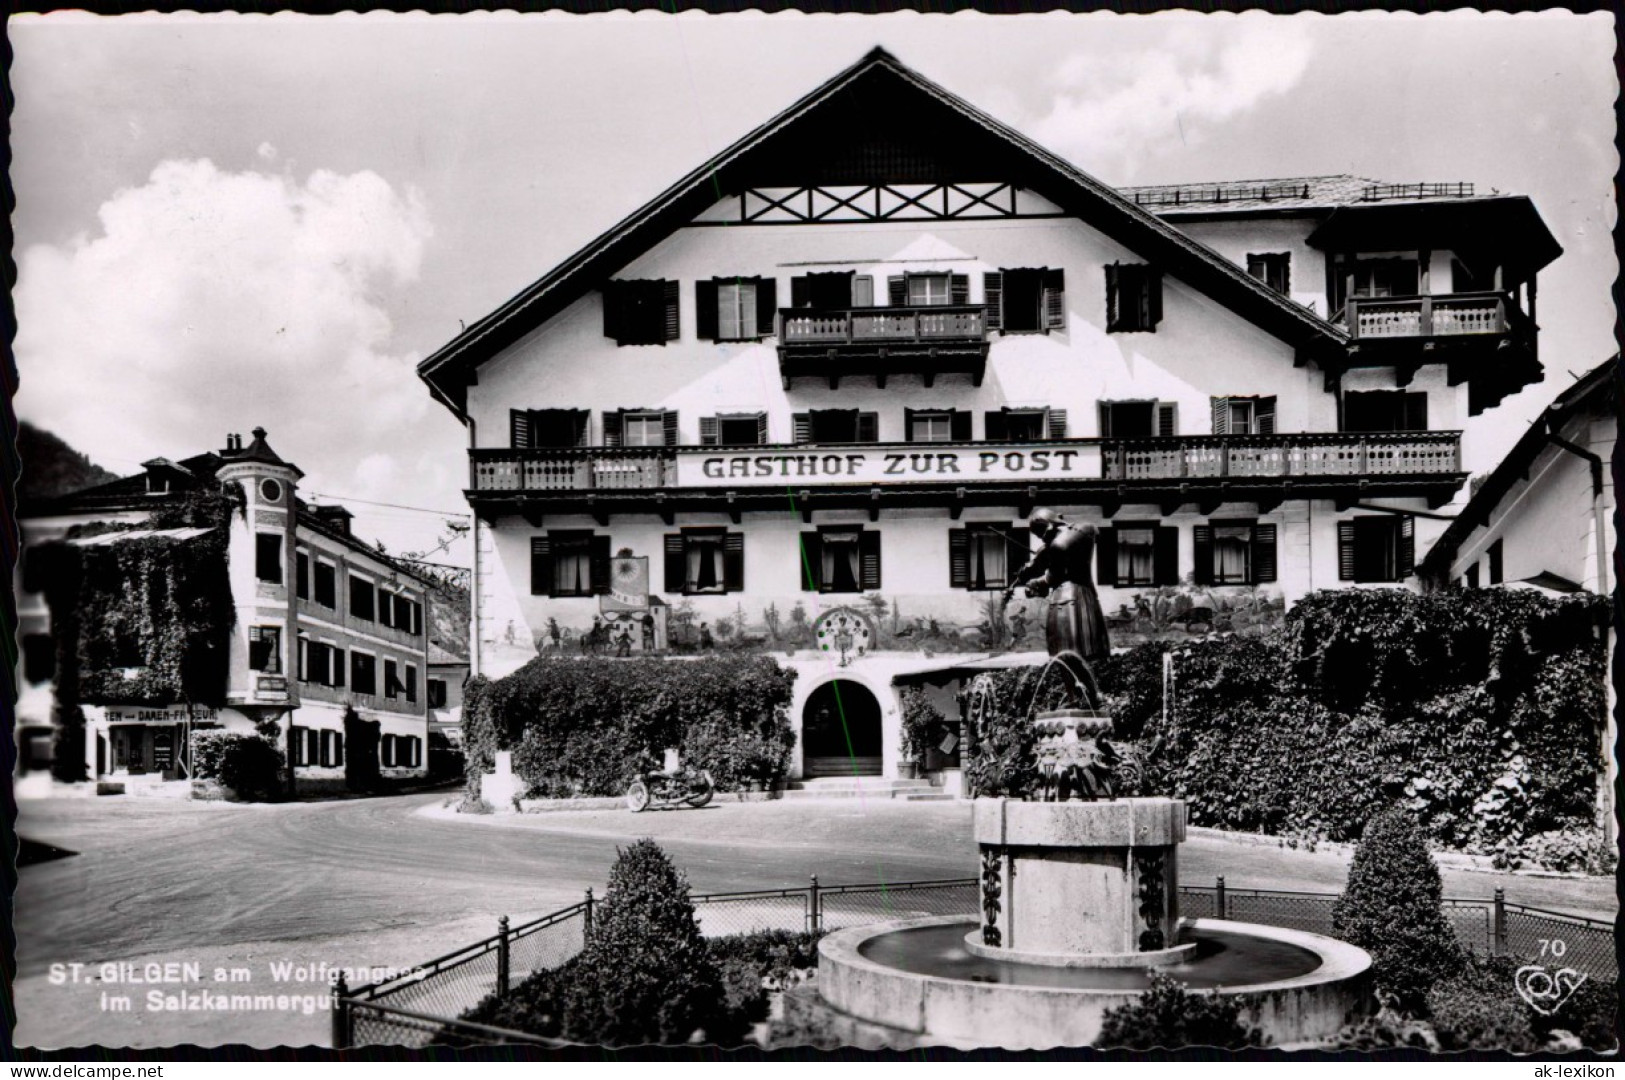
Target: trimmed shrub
[
  {"x": 250, "y": 765},
  {"x": 779, "y": 957},
  {"x": 1391, "y": 908},
  {"x": 1168, "y": 1015},
  {"x": 920, "y": 719},
  {"x": 1476, "y": 1010}
]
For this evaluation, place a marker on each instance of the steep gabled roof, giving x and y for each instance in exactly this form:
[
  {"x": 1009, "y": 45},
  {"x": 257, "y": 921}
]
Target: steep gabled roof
[{"x": 846, "y": 131}]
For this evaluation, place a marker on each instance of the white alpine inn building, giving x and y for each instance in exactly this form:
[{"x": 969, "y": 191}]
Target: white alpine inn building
[{"x": 808, "y": 396}]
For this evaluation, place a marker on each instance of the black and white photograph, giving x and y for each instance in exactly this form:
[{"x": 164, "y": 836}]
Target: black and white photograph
[{"x": 941, "y": 533}]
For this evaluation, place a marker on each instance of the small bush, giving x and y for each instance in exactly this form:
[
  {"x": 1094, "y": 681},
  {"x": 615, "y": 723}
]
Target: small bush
[
  {"x": 1169, "y": 1015},
  {"x": 1475, "y": 1010},
  {"x": 1391, "y": 908},
  {"x": 920, "y": 719},
  {"x": 250, "y": 765},
  {"x": 1591, "y": 1014},
  {"x": 779, "y": 957}
]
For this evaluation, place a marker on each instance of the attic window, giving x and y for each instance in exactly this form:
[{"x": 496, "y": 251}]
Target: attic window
[
  {"x": 270, "y": 491},
  {"x": 641, "y": 312},
  {"x": 157, "y": 485},
  {"x": 1133, "y": 298}
]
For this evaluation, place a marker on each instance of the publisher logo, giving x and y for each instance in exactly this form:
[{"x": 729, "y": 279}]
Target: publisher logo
[{"x": 1545, "y": 990}]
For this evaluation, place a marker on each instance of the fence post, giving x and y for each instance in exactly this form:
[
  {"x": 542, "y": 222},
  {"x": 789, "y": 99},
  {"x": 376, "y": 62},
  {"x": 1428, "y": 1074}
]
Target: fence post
[
  {"x": 502, "y": 957},
  {"x": 1498, "y": 947},
  {"x": 586, "y": 926},
  {"x": 1218, "y": 899},
  {"x": 342, "y": 1036},
  {"x": 815, "y": 917}
]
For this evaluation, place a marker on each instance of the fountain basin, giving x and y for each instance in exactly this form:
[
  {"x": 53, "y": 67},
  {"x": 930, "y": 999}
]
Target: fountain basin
[{"x": 912, "y": 983}]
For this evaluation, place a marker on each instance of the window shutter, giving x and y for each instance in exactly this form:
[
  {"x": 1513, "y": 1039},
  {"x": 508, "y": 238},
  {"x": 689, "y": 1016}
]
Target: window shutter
[
  {"x": 1416, "y": 411},
  {"x": 673, "y": 326},
  {"x": 1055, "y": 423},
  {"x": 868, "y": 427},
  {"x": 1106, "y": 557},
  {"x": 995, "y": 426},
  {"x": 959, "y": 425},
  {"x": 1105, "y": 419},
  {"x": 761, "y": 429},
  {"x": 767, "y": 306},
  {"x": 1407, "y": 547},
  {"x": 1263, "y": 553},
  {"x": 579, "y": 419},
  {"x": 709, "y": 435},
  {"x": 612, "y": 427},
  {"x": 676, "y": 571},
  {"x": 705, "y": 310},
  {"x": 869, "y": 557},
  {"x": 1264, "y": 416},
  {"x": 1202, "y": 542},
  {"x": 1165, "y": 556},
  {"x": 801, "y": 427},
  {"x": 810, "y": 553},
  {"x": 1113, "y": 316},
  {"x": 958, "y": 558},
  {"x": 519, "y": 429},
  {"x": 908, "y": 425},
  {"x": 1256, "y": 267},
  {"x": 668, "y": 421},
  {"x": 1021, "y": 550},
  {"x": 1151, "y": 299},
  {"x": 613, "y": 312},
  {"x": 959, "y": 288},
  {"x": 598, "y": 554},
  {"x": 800, "y": 292},
  {"x": 1167, "y": 418},
  {"x": 1054, "y": 300},
  {"x": 338, "y": 667},
  {"x": 1345, "y": 551},
  {"x": 1221, "y": 416},
  {"x": 541, "y": 566},
  {"x": 993, "y": 299},
  {"x": 897, "y": 290},
  {"x": 733, "y": 562}
]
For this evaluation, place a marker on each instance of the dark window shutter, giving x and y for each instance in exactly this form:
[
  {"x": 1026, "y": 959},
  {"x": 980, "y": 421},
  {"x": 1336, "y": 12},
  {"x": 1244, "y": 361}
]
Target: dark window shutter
[
  {"x": 761, "y": 429},
  {"x": 1021, "y": 550},
  {"x": 668, "y": 422},
  {"x": 613, "y": 312},
  {"x": 1256, "y": 267},
  {"x": 1221, "y": 416},
  {"x": 993, "y": 299},
  {"x": 1054, "y": 300},
  {"x": 1114, "y": 320},
  {"x": 1167, "y": 418},
  {"x": 869, "y": 557},
  {"x": 612, "y": 427},
  {"x": 733, "y": 562},
  {"x": 959, "y": 288},
  {"x": 995, "y": 426},
  {"x": 1165, "y": 556},
  {"x": 868, "y": 427},
  {"x": 1264, "y": 416},
  {"x": 1106, "y": 557},
  {"x": 801, "y": 427},
  {"x": 959, "y": 425},
  {"x": 519, "y": 429},
  {"x": 1407, "y": 547},
  {"x": 1202, "y": 542},
  {"x": 676, "y": 564},
  {"x": 1416, "y": 411},
  {"x": 1151, "y": 299},
  {"x": 958, "y": 559},
  {"x": 908, "y": 425},
  {"x": 338, "y": 667},
  {"x": 897, "y": 290},
  {"x": 580, "y": 418},
  {"x": 810, "y": 554},
  {"x": 1263, "y": 553},
  {"x": 1105, "y": 419},
  {"x": 673, "y": 325},
  {"x": 800, "y": 291},
  {"x": 541, "y": 566},
  {"x": 708, "y": 431},
  {"x": 598, "y": 553},
  {"x": 705, "y": 310},
  {"x": 1345, "y": 551},
  {"x": 767, "y": 306},
  {"x": 1055, "y": 422},
  {"x": 301, "y": 576}
]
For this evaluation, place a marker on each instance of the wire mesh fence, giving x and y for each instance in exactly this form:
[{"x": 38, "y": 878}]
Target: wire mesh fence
[
  {"x": 1310, "y": 912},
  {"x": 858, "y": 905},
  {"x": 1560, "y": 941},
  {"x": 372, "y": 1024},
  {"x": 546, "y": 943},
  {"x": 1474, "y": 923},
  {"x": 747, "y": 913}
]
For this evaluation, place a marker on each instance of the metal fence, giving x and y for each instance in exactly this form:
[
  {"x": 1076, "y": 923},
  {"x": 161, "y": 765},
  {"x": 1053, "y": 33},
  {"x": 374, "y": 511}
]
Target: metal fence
[{"x": 420, "y": 1007}]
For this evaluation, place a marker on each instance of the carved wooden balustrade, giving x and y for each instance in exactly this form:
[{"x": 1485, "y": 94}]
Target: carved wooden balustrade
[
  {"x": 1373, "y": 454},
  {"x": 1429, "y": 316},
  {"x": 957, "y": 322},
  {"x": 574, "y": 469}
]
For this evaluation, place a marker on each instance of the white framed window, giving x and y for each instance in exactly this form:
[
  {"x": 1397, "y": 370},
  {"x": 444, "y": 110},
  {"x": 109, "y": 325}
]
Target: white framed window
[
  {"x": 863, "y": 291},
  {"x": 265, "y": 649},
  {"x": 643, "y": 429},
  {"x": 736, "y": 310},
  {"x": 931, "y": 427},
  {"x": 928, "y": 290}
]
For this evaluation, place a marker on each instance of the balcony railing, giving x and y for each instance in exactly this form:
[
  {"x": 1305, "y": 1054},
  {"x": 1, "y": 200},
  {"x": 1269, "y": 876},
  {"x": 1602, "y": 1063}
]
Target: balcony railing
[
  {"x": 873, "y": 326},
  {"x": 1313, "y": 455},
  {"x": 576, "y": 469},
  {"x": 1428, "y": 316}
]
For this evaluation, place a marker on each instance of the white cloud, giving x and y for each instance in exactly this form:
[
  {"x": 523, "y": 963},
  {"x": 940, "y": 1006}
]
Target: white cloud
[
  {"x": 1111, "y": 113},
  {"x": 213, "y": 301},
  {"x": 266, "y": 152}
]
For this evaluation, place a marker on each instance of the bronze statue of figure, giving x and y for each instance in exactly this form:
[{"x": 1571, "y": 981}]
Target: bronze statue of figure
[{"x": 1061, "y": 570}]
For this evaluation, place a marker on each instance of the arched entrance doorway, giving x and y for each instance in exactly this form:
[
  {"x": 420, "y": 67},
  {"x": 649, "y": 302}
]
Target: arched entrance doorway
[{"x": 840, "y": 731}]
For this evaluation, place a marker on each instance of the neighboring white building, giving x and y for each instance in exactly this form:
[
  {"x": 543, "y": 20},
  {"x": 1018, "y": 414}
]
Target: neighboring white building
[{"x": 805, "y": 399}]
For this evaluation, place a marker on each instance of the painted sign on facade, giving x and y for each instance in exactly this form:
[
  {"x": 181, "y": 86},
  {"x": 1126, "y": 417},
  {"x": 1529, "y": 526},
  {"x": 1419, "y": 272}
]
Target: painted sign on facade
[
  {"x": 169, "y": 714},
  {"x": 628, "y": 584},
  {"x": 905, "y": 464}
]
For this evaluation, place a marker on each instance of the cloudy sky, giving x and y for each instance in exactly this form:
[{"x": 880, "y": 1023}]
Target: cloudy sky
[{"x": 226, "y": 221}]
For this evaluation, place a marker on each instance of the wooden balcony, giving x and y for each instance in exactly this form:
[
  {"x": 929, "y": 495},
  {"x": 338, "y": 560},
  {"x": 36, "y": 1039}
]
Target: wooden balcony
[
  {"x": 594, "y": 468},
  {"x": 1408, "y": 328},
  {"x": 1408, "y": 453},
  {"x": 883, "y": 341}
]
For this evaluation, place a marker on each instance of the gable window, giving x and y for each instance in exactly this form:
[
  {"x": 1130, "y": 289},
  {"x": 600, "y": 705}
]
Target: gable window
[
  {"x": 1234, "y": 553},
  {"x": 836, "y": 426},
  {"x": 437, "y": 693},
  {"x": 1376, "y": 548},
  {"x": 986, "y": 556},
  {"x": 1133, "y": 298},
  {"x": 1385, "y": 410},
  {"x": 326, "y": 584},
  {"x": 1138, "y": 554},
  {"x": 1024, "y": 425},
  {"x": 840, "y": 559},
  {"x": 640, "y": 427},
  {"x": 734, "y": 429},
  {"x": 265, "y": 649},
  {"x": 268, "y": 557},
  {"x": 734, "y": 309},
  {"x": 1025, "y": 301},
  {"x": 936, "y": 425},
  {"x": 1375, "y": 278},
  {"x": 363, "y": 673},
  {"x": 641, "y": 312},
  {"x": 700, "y": 561},
  {"x": 1244, "y": 416},
  {"x": 538, "y": 428},
  {"x": 361, "y": 598},
  {"x": 928, "y": 289},
  {"x": 301, "y": 575},
  {"x": 570, "y": 563},
  {"x": 1138, "y": 419},
  {"x": 1273, "y": 269}
]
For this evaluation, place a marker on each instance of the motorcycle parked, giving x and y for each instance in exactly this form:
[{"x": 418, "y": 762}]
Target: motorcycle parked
[{"x": 661, "y": 789}]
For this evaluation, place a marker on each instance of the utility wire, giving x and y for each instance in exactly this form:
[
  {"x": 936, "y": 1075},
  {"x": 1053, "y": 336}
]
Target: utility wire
[{"x": 393, "y": 506}]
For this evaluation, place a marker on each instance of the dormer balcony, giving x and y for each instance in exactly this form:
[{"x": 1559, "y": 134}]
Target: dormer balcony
[
  {"x": 1462, "y": 323},
  {"x": 927, "y": 341}
]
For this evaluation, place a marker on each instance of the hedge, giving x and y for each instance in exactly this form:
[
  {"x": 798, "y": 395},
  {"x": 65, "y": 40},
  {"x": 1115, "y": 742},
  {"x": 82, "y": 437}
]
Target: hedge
[
  {"x": 250, "y": 765},
  {"x": 587, "y": 726},
  {"x": 1481, "y": 711}
]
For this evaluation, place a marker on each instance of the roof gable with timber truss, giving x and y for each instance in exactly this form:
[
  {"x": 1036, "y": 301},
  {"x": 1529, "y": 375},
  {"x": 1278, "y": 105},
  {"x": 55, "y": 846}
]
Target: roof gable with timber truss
[{"x": 878, "y": 122}]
